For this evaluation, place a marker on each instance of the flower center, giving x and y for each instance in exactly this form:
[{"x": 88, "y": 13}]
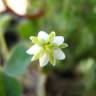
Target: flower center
[{"x": 46, "y": 46}]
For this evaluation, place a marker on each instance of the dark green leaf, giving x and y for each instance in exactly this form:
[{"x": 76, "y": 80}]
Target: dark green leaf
[
  {"x": 9, "y": 86},
  {"x": 18, "y": 61},
  {"x": 2, "y": 87}
]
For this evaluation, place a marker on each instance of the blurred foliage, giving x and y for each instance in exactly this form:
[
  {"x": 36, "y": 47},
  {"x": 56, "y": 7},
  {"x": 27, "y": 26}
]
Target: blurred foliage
[
  {"x": 4, "y": 20},
  {"x": 75, "y": 20},
  {"x": 88, "y": 67},
  {"x": 9, "y": 86},
  {"x": 26, "y": 28}
]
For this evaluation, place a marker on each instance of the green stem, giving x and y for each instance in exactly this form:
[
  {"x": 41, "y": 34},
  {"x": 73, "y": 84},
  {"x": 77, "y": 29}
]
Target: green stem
[
  {"x": 41, "y": 82},
  {"x": 3, "y": 46}
]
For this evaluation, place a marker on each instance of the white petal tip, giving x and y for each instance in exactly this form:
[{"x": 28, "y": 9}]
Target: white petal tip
[
  {"x": 27, "y": 52},
  {"x": 31, "y": 37},
  {"x": 59, "y": 54},
  {"x": 43, "y": 35},
  {"x": 63, "y": 58},
  {"x": 42, "y": 31},
  {"x": 53, "y": 32},
  {"x": 41, "y": 65},
  {"x": 58, "y": 40}
]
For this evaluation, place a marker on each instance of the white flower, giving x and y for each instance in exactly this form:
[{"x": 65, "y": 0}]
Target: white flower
[{"x": 47, "y": 48}]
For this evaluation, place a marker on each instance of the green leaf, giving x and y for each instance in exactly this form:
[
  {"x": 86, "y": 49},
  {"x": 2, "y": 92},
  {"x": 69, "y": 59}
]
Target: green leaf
[
  {"x": 27, "y": 28},
  {"x": 2, "y": 87},
  {"x": 9, "y": 86},
  {"x": 13, "y": 87},
  {"x": 18, "y": 61}
]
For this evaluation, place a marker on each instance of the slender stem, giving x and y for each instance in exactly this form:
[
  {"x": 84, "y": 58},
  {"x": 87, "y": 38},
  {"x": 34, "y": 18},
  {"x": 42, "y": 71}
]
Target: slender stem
[
  {"x": 3, "y": 46},
  {"x": 41, "y": 82}
]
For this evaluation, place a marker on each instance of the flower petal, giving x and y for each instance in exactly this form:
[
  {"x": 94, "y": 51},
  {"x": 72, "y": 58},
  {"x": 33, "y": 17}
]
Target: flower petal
[
  {"x": 15, "y": 5},
  {"x": 42, "y": 35},
  {"x": 58, "y": 40},
  {"x": 33, "y": 50},
  {"x": 58, "y": 54},
  {"x": 43, "y": 60}
]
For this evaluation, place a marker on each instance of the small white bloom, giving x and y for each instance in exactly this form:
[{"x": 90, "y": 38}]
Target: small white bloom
[{"x": 47, "y": 48}]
